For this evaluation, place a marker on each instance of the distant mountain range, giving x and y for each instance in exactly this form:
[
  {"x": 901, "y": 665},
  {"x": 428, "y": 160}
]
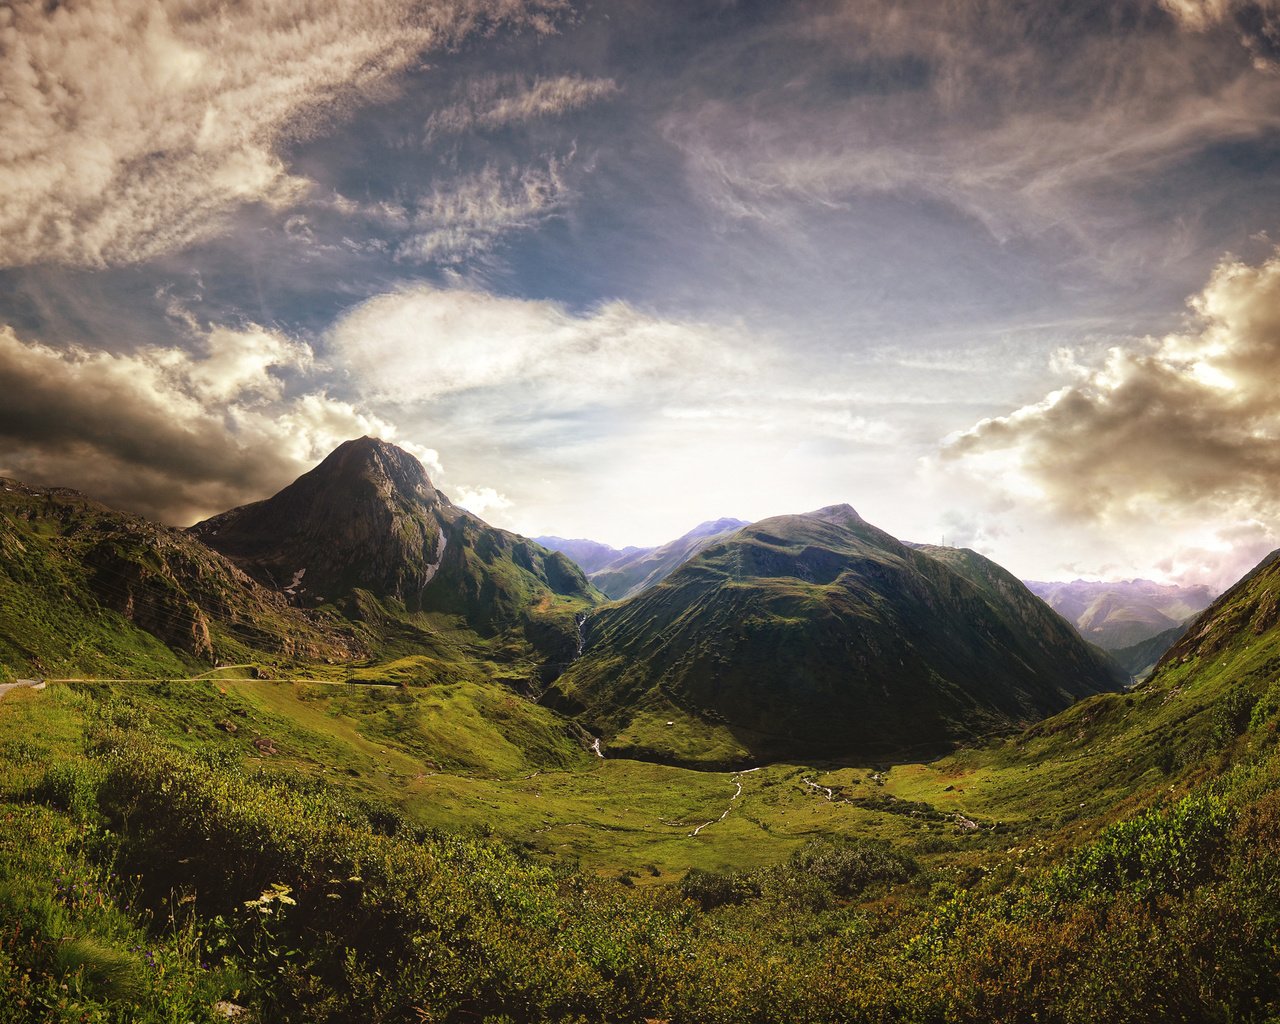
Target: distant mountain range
[
  {"x": 821, "y": 634},
  {"x": 633, "y": 570},
  {"x": 1116, "y": 615},
  {"x": 591, "y": 555},
  {"x": 814, "y": 635}
]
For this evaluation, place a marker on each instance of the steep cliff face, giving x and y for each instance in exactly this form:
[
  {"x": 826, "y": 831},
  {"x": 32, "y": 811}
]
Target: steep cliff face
[{"x": 366, "y": 518}]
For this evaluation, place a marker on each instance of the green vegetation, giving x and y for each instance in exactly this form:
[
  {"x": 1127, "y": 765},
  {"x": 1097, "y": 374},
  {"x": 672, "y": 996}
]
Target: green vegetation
[
  {"x": 154, "y": 871},
  {"x": 87, "y": 590},
  {"x": 405, "y": 832},
  {"x": 821, "y": 636}
]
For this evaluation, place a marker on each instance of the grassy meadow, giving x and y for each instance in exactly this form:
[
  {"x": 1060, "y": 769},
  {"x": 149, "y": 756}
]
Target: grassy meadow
[{"x": 420, "y": 846}]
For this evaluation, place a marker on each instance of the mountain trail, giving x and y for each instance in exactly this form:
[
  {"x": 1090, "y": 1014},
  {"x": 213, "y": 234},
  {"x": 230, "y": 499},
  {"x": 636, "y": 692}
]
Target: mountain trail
[{"x": 737, "y": 781}]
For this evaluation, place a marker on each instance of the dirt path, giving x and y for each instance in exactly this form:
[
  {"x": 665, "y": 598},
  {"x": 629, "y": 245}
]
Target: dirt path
[
  {"x": 737, "y": 781},
  {"x": 21, "y": 684},
  {"x": 206, "y": 678}
]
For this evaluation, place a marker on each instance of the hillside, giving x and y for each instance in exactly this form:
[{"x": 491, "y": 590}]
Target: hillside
[
  {"x": 820, "y": 635},
  {"x": 1121, "y": 855},
  {"x": 647, "y": 567},
  {"x": 1122, "y": 613},
  {"x": 1140, "y": 658},
  {"x": 367, "y": 532},
  {"x": 86, "y": 589}
]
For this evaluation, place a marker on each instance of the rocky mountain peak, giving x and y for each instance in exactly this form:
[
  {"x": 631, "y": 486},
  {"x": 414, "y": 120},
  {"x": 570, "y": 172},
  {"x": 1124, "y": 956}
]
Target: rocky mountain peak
[
  {"x": 837, "y": 515},
  {"x": 367, "y": 517},
  {"x": 370, "y": 460}
]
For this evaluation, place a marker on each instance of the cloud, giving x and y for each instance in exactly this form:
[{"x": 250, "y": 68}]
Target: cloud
[
  {"x": 131, "y": 127},
  {"x": 1023, "y": 121},
  {"x": 466, "y": 218},
  {"x": 169, "y": 433},
  {"x": 490, "y": 102},
  {"x": 423, "y": 343},
  {"x": 1257, "y": 23},
  {"x": 480, "y": 500},
  {"x": 1171, "y": 434},
  {"x": 610, "y": 421}
]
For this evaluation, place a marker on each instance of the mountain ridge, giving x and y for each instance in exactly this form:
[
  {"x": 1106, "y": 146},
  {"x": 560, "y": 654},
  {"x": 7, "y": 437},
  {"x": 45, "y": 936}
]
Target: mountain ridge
[
  {"x": 647, "y": 567},
  {"x": 367, "y": 531},
  {"x": 820, "y": 632}
]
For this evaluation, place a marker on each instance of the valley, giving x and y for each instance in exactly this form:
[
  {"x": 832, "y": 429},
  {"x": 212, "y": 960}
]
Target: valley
[{"x": 809, "y": 773}]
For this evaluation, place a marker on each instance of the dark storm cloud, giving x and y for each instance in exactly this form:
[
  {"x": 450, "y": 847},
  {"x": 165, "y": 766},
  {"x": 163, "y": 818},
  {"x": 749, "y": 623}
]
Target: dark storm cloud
[{"x": 168, "y": 433}]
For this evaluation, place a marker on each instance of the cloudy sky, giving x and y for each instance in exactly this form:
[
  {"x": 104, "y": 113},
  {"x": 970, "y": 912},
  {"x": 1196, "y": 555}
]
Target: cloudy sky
[{"x": 998, "y": 274}]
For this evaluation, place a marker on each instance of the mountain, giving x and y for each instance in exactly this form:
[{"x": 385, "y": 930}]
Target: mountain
[
  {"x": 1122, "y": 613},
  {"x": 1140, "y": 658},
  {"x": 368, "y": 533},
  {"x": 589, "y": 555},
  {"x": 819, "y": 635},
  {"x": 86, "y": 589},
  {"x": 647, "y": 567},
  {"x": 1242, "y": 621}
]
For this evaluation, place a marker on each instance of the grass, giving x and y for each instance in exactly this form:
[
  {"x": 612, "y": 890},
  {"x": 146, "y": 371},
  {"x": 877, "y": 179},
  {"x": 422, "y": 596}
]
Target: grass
[
  {"x": 309, "y": 839},
  {"x": 1063, "y": 877}
]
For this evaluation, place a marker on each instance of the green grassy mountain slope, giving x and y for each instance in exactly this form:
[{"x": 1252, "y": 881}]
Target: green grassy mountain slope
[
  {"x": 1118, "y": 861},
  {"x": 1140, "y": 658},
  {"x": 367, "y": 532},
  {"x": 647, "y": 567},
  {"x": 85, "y": 589},
  {"x": 820, "y": 635}
]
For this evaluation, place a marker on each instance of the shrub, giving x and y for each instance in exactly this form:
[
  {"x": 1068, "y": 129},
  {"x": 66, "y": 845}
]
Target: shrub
[
  {"x": 1167, "y": 850},
  {"x": 710, "y": 889},
  {"x": 1231, "y": 715},
  {"x": 850, "y": 866}
]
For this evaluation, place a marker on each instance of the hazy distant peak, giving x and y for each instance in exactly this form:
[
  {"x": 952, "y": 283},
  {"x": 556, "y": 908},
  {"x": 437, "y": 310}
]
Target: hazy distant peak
[
  {"x": 838, "y": 515},
  {"x": 1117, "y": 614},
  {"x": 716, "y": 526}
]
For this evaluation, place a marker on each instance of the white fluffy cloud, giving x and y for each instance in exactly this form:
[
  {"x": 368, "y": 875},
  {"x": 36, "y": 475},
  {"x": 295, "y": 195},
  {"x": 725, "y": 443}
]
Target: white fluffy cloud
[
  {"x": 169, "y": 433},
  {"x": 494, "y": 101},
  {"x": 132, "y": 126},
  {"x": 1176, "y": 437},
  {"x": 423, "y": 343}
]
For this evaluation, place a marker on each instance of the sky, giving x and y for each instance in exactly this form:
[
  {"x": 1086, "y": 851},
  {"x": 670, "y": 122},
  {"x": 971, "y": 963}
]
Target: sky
[{"x": 998, "y": 274}]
